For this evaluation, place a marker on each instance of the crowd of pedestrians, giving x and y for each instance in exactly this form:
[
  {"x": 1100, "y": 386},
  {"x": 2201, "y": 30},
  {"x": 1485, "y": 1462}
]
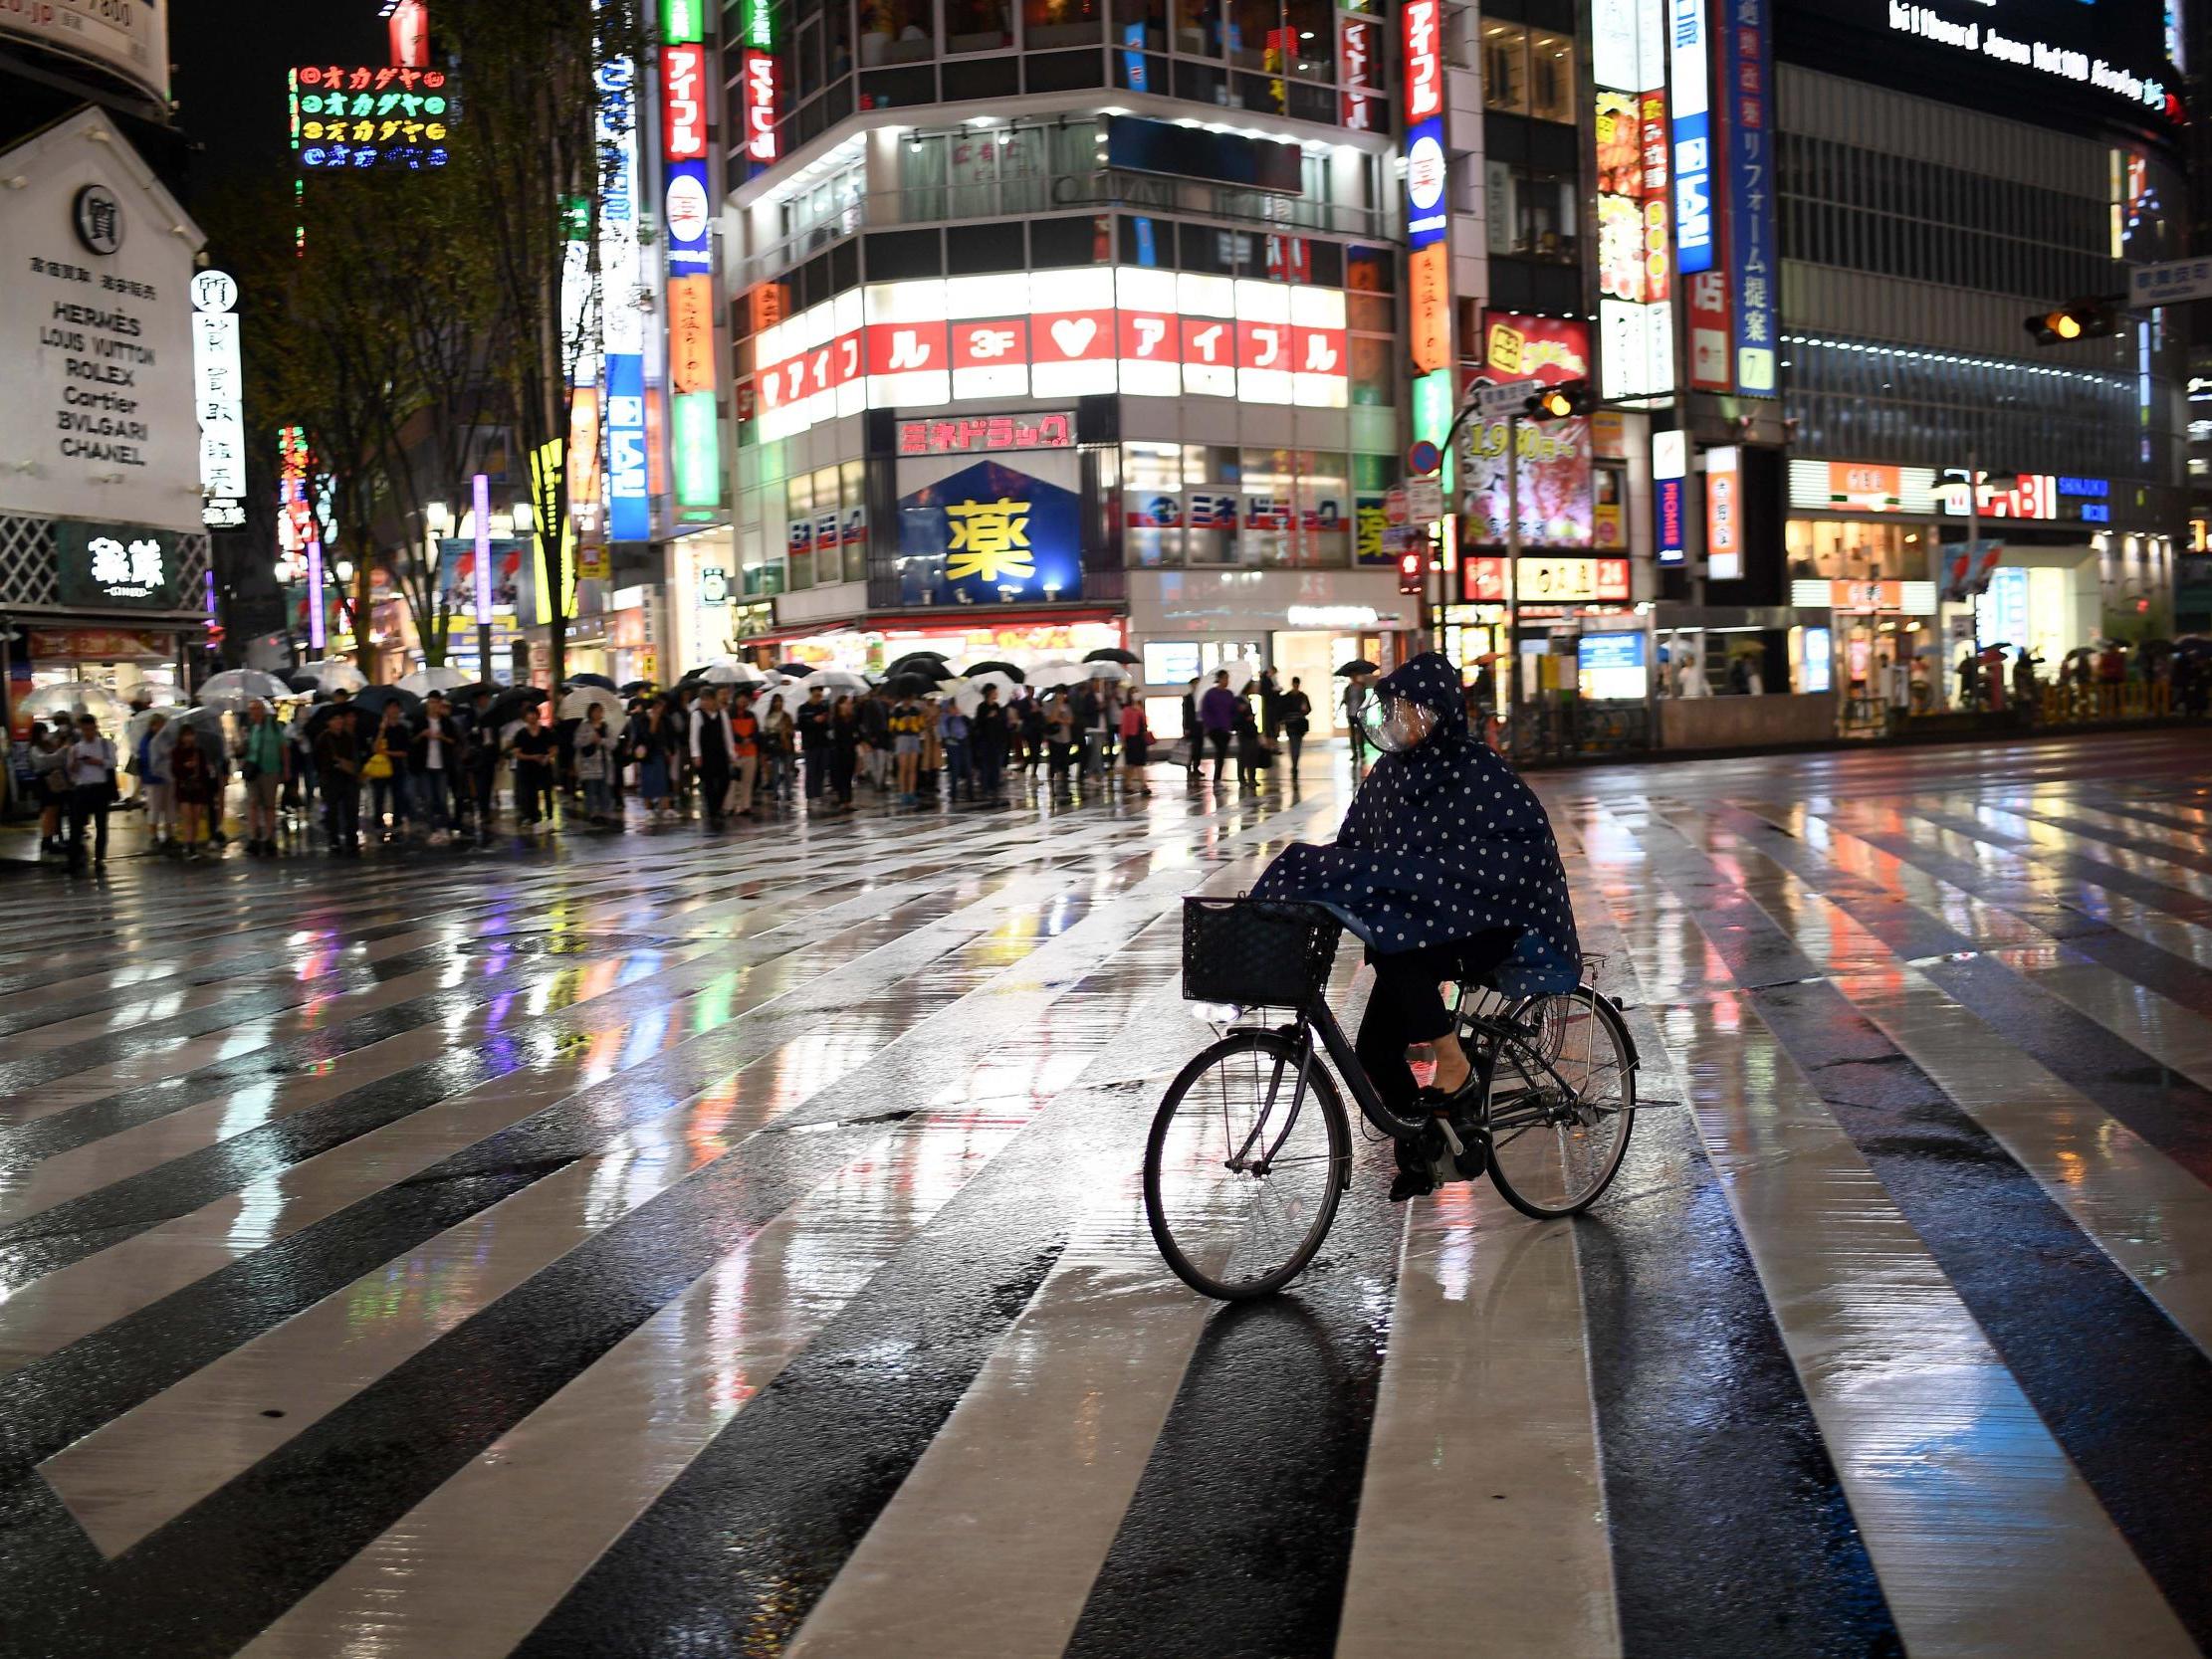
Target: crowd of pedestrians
[{"x": 449, "y": 770}]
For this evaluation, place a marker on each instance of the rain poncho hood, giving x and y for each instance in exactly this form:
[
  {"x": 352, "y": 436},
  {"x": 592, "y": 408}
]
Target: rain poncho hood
[{"x": 1442, "y": 843}]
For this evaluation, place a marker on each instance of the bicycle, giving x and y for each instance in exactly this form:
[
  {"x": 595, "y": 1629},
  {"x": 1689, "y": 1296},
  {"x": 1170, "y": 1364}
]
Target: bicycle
[{"x": 1250, "y": 1149}]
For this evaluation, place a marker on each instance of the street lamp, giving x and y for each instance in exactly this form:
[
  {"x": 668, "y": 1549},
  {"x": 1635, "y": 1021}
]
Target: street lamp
[
  {"x": 344, "y": 569},
  {"x": 437, "y": 518}
]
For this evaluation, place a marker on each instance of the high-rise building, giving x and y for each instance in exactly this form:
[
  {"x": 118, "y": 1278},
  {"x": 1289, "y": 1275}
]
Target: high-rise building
[{"x": 1056, "y": 330}]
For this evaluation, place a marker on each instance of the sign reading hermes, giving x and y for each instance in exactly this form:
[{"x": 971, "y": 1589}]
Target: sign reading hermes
[{"x": 95, "y": 327}]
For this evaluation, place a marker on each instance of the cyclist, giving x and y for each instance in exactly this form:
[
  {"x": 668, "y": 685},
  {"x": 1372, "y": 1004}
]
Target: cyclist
[{"x": 1446, "y": 869}]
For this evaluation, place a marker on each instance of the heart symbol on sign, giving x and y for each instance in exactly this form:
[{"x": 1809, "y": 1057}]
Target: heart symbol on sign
[{"x": 1072, "y": 334}]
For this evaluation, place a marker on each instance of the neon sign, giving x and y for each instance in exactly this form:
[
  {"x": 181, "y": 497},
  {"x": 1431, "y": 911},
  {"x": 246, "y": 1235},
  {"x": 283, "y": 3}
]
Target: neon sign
[
  {"x": 683, "y": 101},
  {"x": 358, "y": 118}
]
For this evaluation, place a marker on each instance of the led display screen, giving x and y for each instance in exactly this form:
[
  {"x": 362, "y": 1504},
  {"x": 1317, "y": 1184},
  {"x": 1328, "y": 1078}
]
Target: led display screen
[
  {"x": 2072, "y": 64},
  {"x": 1142, "y": 147}
]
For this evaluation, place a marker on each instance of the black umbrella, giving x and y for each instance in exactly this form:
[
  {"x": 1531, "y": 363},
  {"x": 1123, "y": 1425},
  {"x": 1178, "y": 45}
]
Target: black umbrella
[
  {"x": 910, "y": 685},
  {"x": 510, "y": 704},
  {"x": 1357, "y": 665},
  {"x": 464, "y": 697},
  {"x": 300, "y": 682},
  {"x": 324, "y": 712},
  {"x": 930, "y": 663},
  {"x": 1007, "y": 668},
  {"x": 599, "y": 680},
  {"x": 633, "y": 688},
  {"x": 371, "y": 700},
  {"x": 1112, "y": 654},
  {"x": 798, "y": 671}
]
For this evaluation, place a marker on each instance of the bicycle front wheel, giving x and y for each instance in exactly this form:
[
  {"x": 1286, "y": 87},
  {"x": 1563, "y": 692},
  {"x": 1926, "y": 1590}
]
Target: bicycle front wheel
[
  {"x": 1244, "y": 1168},
  {"x": 1560, "y": 1104}
]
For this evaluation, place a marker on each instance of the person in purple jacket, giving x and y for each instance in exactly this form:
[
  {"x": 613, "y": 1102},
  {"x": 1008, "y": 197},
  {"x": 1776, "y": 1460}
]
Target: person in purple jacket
[{"x": 1217, "y": 716}]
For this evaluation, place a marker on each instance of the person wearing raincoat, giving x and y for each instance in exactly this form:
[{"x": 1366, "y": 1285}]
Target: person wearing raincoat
[{"x": 1446, "y": 869}]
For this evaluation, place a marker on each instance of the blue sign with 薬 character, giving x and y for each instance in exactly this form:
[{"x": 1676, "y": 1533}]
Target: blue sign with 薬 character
[{"x": 989, "y": 534}]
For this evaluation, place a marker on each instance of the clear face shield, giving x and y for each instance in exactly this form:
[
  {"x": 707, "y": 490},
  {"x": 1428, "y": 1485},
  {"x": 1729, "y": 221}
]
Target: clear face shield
[{"x": 1394, "y": 725}]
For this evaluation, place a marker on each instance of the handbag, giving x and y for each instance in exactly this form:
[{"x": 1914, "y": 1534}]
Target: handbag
[{"x": 377, "y": 765}]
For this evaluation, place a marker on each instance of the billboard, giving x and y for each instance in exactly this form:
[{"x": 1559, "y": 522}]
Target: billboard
[
  {"x": 1754, "y": 252},
  {"x": 2055, "y": 63},
  {"x": 987, "y": 533},
  {"x": 95, "y": 327},
  {"x": 128, "y": 39}
]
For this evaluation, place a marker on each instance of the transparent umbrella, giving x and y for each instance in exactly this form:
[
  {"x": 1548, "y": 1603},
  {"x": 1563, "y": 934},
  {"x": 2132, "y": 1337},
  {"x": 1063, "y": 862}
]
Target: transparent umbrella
[
  {"x": 1103, "y": 670},
  {"x": 208, "y": 722},
  {"x": 134, "y": 729},
  {"x": 727, "y": 672},
  {"x": 835, "y": 679},
  {"x": 234, "y": 688},
  {"x": 72, "y": 696},
  {"x": 334, "y": 674},
  {"x": 577, "y": 701},
  {"x": 424, "y": 681},
  {"x": 1240, "y": 673}
]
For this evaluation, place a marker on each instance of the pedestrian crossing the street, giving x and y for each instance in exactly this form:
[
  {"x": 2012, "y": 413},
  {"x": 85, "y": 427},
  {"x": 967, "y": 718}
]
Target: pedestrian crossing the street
[{"x": 664, "y": 1245}]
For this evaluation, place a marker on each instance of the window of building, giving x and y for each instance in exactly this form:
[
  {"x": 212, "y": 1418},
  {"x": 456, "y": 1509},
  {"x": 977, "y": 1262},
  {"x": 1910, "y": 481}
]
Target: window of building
[
  {"x": 1050, "y": 23},
  {"x": 798, "y": 517},
  {"x": 1551, "y": 76},
  {"x": 1151, "y": 504},
  {"x": 1532, "y": 213},
  {"x": 1505, "y": 68},
  {"x": 1140, "y": 24},
  {"x": 978, "y": 25},
  {"x": 896, "y": 31},
  {"x": 1198, "y": 28},
  {"x": 1212, "y": 505}
]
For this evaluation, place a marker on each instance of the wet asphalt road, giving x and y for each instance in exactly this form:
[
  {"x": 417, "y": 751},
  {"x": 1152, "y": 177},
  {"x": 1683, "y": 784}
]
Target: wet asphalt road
[{"x": 658, "y": 1245}]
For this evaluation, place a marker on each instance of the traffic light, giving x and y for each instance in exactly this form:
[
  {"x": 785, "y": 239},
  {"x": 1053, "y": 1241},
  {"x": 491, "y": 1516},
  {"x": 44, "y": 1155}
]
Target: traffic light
[
  {"x": 1558, "y": 403},
  {"x": 2077, "y": 319},
  {"x": 1413, "y": 571}
]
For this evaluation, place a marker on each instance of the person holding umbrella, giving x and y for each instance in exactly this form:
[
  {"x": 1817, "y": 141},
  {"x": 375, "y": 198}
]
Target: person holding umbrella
[
  {"x": 744, "y": 745},
  {"x": 154, "y": 782},
  {"x": 1358, "y": 674},
  {"x": 1193, "y": 731},
  {"x": 594, "y": 747},
  {"x": 385, "y": 767},
  {"x": 192, "y": 776},
  {"x": 261, "y": 763},
  {"x": 482, "y": 740},
  {"x": 905, "y": 722}
]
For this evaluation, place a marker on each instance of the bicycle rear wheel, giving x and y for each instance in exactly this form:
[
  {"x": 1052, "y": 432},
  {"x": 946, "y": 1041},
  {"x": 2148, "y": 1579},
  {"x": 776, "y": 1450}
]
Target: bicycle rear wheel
[
  {"x": 1560, "y": 1106},
  {"x": 1243, "y": 1169}
]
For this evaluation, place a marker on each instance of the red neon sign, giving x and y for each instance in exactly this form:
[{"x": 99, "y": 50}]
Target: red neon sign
[
  {"x": 1424, "y": 60},
  {"x": 759, "y": 92},
  {"x": 964, "y": 434},
  {"x": 684, "y": 101}
]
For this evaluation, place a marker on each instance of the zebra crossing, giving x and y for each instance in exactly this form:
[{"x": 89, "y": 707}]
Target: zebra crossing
[{"x": 657, "y": 1246}]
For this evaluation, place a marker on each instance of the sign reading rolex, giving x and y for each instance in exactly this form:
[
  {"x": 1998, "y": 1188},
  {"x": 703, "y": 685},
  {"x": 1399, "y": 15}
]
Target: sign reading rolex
[{"x": 117, "y": 567}]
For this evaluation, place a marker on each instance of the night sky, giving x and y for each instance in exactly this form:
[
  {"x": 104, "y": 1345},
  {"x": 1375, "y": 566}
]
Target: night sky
[{"x": 230, "y": 59}]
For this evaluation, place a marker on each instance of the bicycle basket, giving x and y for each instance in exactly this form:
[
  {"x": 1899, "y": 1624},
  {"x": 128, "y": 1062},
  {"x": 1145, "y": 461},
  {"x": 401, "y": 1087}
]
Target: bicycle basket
[{"x": 1256, "y": 952}]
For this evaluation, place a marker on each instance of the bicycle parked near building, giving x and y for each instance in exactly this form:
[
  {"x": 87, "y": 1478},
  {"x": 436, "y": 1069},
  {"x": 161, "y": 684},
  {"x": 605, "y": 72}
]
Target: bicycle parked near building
[{"x": 1252, "y": 1148}]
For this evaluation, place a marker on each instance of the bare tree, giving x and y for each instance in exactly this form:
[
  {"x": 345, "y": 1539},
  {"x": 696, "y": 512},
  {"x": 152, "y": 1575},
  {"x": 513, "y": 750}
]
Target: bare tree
[{"x": 528, "y": 146}]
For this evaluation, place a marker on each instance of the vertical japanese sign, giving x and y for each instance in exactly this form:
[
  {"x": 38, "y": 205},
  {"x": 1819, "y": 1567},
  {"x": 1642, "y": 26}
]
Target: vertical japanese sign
[
  {"x": 1723, "y": 516},
  {"x": 759, "y": 82},
  {"x": 1750, "y": 213},
  {"x": 621, "y": 317},
  {"x": 1670, "y": 486},
  {"x": 1635, "y": 265},
  {"x": 1693, "y": 166},
  {"x": 480, "y": 502},
  {"x": 1357, "y": 39},
  {"x": 216, "y": 388},
  {"x": 693, "y": 430},
  {"x": 1427, "y": 216}
]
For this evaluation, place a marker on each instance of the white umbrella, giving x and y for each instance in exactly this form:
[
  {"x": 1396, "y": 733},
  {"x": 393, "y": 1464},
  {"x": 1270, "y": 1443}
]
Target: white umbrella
[
  {"x": 134, "y": 729},
  {"x": 208, "y": 722},
  {"x": 727, "y": 672},
  {"x": 578, "y": 699},
  {"x": 1109, "y": 670},
  {"x": 1046, "y": 676},
  {"x": 969, "y": 694},
  {"x": 72, "y": 696},
  {"x": 335, "y": 674},
  {"x": 1240, "y": 673},
  {"x": 443, "y": 678},
  {"x": 234, "y": 688},
  {"x": 835, "y": 679}
]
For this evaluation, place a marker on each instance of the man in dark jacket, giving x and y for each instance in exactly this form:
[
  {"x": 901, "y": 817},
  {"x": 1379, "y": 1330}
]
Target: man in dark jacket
[
  {"x": 813, "y": 720},
  {"x": 711, "y": 756},
  {"x": 439, "y": 757},
  {"x": 483, "y": 764},
  {"x": 991, "y": 735},
  {"x": 338, "y": 762},
  {"x": 875, "y": 733}
]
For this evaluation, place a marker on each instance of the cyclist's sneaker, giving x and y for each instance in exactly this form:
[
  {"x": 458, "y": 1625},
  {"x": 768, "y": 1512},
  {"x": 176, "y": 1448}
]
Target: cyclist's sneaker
[{"x": 1410, "y": 1184}]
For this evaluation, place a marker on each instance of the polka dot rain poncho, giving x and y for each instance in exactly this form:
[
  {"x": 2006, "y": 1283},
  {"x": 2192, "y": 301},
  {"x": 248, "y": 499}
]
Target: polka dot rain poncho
[{"x": 1443, "y": 842}]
